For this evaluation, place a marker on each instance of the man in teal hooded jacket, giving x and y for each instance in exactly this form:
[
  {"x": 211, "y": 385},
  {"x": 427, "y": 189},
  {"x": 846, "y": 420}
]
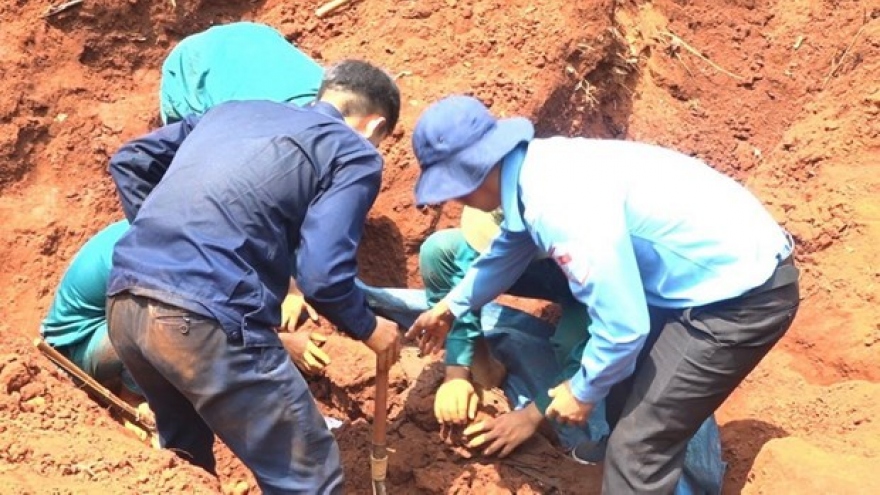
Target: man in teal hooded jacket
[
  {"x": 76, "y": 323},
  {"x": 238, "y": 61}
]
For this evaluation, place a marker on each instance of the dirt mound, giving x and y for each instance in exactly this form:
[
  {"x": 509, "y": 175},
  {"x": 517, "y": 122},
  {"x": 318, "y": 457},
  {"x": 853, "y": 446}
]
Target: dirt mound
[
  {"x": 810, "y": 470},
  {"x": 41, "y": 408},
  {"x": 780, "y": 94},
  {"x": 421, "y": 459}
]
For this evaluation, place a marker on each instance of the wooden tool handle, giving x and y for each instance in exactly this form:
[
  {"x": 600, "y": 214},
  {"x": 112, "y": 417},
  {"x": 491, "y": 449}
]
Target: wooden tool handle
[
  {"x": 379, "y": 451},
  {"x": 380, "y": 410},
  {"x": 95, "y": 389}
]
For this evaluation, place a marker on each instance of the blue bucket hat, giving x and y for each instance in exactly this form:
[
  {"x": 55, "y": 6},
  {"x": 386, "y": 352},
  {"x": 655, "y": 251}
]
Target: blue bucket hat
[{"x": 457, "y": 141}]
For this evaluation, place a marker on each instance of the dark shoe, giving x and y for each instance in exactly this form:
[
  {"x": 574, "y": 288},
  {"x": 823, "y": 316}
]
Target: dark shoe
[{"x": 589, "y": 452}]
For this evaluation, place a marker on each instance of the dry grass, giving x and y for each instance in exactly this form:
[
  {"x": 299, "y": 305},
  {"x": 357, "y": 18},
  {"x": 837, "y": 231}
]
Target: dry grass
[
  {"x": 674, "y": 44},
  {"x": 621, "y": 62},
  {"x": 835, "y": 64}
]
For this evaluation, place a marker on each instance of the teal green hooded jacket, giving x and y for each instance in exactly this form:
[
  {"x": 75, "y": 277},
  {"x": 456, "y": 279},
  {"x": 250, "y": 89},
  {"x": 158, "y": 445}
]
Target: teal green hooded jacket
[
  {"x": 238, "y": 61},
  {"x": 79, "y": 309}
]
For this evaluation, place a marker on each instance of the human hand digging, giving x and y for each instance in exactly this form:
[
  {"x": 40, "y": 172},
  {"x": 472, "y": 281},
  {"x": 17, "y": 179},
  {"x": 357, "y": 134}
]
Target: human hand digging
[
  {"x": 565, "y": 408},
  {"x": 456, "y": 401},
  {"x": 502, "y": 435},
  {"x": 292, "y": 309},
  {"x": 431, "y": 327},
  {"x": 305, "y": 350}
]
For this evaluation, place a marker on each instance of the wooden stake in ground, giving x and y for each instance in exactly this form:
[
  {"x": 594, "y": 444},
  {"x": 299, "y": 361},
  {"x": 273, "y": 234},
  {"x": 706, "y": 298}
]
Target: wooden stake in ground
[
  {"x": 379, "y": 450},
  {"x": 95, "y": 389},
  {"x": 57, "y": 9},
  {"x": 330, "y": 7},
  {"x": 835, "y": 66},
  {"x": 673, "y": 39}
]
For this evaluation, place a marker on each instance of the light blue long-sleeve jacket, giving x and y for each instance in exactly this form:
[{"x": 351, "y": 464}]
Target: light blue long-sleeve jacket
[{"x": 632, "y": 225}]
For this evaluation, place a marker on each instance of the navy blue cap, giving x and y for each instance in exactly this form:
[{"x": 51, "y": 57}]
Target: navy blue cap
[{"x": 457, "y": 141}]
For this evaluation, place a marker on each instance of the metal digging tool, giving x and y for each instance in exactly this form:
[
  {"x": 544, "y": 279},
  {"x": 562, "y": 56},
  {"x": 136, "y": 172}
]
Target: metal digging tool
[{"x": 378, "y": 450}]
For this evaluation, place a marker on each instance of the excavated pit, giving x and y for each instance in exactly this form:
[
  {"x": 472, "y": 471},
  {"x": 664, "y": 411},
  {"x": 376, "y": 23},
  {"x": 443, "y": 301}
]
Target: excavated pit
[{"x": 779, "y": 94}]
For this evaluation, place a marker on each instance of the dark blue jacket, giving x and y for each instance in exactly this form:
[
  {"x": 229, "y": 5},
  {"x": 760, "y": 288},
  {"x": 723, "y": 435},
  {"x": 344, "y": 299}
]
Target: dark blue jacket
[{"x": 222, "y": 206}]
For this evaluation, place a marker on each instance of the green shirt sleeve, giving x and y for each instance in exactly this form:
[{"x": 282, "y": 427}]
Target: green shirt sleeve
[{"x": 80, "y": 304}]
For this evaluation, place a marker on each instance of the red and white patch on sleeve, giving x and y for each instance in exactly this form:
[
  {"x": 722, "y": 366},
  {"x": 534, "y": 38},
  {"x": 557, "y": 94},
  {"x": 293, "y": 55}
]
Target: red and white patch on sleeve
[{"x": 577, "y": 270}]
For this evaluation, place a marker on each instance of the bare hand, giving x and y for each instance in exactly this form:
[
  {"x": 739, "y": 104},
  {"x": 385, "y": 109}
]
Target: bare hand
[
  {"x": 385, "y": 342},
  {"x": 502, "y": 435},
  {"x": 305, "y": 350},
  {"x": 566, "y": 408},
  {"x": 431, "y": 327}
]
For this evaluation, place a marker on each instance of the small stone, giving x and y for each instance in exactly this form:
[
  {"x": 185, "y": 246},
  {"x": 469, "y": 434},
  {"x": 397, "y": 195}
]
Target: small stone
[
  {"x": 14, "y": 376},
  {"x": 32, "y": 390},
  {"x": 236, "y": 488}
]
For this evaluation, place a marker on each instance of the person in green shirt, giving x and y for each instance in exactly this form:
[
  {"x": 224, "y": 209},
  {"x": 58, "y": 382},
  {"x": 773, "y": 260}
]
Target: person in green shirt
[
  {"x": 237, "y": 61},
  {"x": 76, "y": 324},
  {"x": 444, "y": 258}
]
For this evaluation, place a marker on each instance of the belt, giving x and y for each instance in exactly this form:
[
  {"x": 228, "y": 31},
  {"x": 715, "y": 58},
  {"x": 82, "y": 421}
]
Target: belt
[{"x": 785, "y": 274}]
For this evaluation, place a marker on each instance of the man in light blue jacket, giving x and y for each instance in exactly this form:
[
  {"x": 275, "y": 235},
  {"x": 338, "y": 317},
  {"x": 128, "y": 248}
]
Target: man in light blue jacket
[{"x": 688, "y": 280}]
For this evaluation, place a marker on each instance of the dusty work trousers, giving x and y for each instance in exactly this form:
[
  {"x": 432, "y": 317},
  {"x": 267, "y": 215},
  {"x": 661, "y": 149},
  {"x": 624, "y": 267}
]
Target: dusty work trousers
[
  {"x": 693, "y": 360},
  {"x": 198, "y": 383}
]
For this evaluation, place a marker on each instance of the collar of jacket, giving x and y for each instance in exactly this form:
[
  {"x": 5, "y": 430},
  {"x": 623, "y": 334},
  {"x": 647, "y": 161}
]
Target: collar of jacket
[{"x": 326, "y": 109}]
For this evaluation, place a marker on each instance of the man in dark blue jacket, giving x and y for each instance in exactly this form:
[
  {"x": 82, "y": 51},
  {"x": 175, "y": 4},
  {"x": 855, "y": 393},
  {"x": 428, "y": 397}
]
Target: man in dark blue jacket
[{"x": 225, "y": 208}]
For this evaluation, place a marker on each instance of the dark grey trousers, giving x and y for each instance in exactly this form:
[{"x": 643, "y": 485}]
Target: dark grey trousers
[
  {"x": 199, "y": 383},
  {"x": 693, "y": 360}
]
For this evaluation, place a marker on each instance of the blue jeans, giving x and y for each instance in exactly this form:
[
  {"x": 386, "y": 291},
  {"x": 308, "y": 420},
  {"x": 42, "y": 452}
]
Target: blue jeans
[{"x": 254, "y": 399}]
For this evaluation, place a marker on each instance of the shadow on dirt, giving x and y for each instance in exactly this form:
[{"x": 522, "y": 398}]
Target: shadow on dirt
[
  {"x": 747, "y": 437},
  {"x": 381, "y": 255}
]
